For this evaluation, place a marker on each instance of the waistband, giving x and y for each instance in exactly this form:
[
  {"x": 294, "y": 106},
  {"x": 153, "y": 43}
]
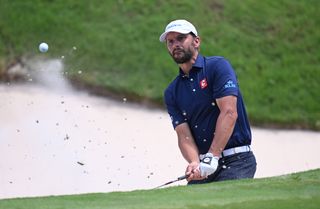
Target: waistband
[{"x": 235, "y": 150}]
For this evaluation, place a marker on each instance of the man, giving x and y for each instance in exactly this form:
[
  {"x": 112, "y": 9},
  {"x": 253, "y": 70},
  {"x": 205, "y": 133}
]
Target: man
[{"x": 207, "y": 110}]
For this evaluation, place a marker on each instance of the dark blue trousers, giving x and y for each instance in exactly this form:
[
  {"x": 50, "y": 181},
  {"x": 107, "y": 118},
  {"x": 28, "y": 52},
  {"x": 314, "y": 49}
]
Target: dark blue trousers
[{"x": 237, "y": 166}]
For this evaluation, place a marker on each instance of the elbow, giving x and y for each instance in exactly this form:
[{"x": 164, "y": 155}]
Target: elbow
[{"x": 232, "y": 114}]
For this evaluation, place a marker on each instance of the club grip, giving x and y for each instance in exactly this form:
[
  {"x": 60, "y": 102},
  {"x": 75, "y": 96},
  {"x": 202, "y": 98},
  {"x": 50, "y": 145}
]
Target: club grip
[{"x": 182, "y": 177}]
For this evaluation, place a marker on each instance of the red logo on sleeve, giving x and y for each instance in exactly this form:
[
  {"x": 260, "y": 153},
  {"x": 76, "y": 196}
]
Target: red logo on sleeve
[{"x": 203, "y": 83}]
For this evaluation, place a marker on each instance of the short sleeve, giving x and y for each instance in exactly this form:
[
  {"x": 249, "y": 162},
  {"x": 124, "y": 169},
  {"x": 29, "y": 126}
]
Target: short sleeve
[
  {"x": 173, "y": 111},
  {"x": 223, "y": 78}
]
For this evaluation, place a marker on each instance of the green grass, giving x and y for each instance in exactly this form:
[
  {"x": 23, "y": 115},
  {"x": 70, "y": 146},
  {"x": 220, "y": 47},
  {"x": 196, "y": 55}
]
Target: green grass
[
  {"x": 274, "y": 46},
  {"x": 300, "y": 190}
]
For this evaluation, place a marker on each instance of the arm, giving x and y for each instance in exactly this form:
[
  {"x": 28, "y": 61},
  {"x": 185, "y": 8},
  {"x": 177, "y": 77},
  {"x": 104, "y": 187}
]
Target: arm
[
  {"x": 225, "y": 123},
  {"x": 186, "y": 143},
  {"x": 188, "y": 150}
]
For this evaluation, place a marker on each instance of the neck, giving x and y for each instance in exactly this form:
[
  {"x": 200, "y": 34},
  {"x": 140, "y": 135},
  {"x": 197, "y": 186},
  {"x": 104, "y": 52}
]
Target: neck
[{"x": 186, "y": 67}]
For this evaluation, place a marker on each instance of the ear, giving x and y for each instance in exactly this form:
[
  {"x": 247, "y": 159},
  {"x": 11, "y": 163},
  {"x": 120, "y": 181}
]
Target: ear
[{"x": 197, "y": 41}]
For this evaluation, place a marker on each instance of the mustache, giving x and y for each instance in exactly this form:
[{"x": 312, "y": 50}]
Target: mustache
[{"x": 177, "y": 50}]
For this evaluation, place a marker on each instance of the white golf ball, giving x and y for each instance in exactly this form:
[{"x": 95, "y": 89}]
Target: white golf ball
[{"x": 43, "y": 47}]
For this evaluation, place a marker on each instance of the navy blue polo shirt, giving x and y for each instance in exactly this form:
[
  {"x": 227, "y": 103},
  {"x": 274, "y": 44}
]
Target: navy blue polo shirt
[{"x": 192, "y": 99}]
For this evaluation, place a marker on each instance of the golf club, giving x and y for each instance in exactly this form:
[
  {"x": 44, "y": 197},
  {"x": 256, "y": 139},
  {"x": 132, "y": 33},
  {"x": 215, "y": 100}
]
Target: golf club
[{"x": 170, "y": 182}]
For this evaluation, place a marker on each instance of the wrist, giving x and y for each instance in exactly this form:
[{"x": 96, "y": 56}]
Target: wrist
[
  {"x": 194, "y": 161},
  {"x": 214, "y": 155},
  {"x": 216, "y": 152}
]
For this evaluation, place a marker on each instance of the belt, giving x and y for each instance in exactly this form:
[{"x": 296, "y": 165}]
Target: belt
[
  {"x": 231, "y": 151},
  {"x": 235, "y": 150}
]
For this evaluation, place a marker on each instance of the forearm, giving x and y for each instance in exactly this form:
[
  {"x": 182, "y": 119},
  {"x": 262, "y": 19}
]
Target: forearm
[
  {"x": 186, "y": 144},
  {"x": 188, "y": 150},
  {"x": 224, "y": 128},
  {"x": 223, "y": 132}
]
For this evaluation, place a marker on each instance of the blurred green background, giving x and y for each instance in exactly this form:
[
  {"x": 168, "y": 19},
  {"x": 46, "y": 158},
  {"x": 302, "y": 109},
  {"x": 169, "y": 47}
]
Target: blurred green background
[{"x": 273, "y": 46}]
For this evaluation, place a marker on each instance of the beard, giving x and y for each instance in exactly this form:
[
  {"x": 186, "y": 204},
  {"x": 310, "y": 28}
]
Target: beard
[{"x": 181, "y": 56}]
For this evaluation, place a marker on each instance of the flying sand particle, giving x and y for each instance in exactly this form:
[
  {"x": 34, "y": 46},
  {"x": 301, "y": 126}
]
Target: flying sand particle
[{"x": 80, "y": 163}]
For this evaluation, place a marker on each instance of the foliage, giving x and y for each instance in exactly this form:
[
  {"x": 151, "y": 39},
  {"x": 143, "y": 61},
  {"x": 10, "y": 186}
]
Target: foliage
[{"x": 272, "y": 45}]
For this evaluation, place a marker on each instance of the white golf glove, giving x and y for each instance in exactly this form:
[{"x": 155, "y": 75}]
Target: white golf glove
[{"x": 208, "y": 164}]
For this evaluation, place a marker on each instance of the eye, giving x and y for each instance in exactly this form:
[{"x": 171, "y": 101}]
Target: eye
[
  {"x": 181, "y": 37},
  {"x": 170, "y": 42}
]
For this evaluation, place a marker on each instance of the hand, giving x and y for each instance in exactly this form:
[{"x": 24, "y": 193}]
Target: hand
[
  {"x": 193, "y": 171},
  {"x": 208, "y": 164}
]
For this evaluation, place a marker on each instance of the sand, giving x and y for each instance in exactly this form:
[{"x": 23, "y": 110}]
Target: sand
[{"x": 56, "y": 141}]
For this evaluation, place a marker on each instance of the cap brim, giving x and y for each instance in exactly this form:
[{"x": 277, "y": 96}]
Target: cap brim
[{"x": 163, "y": 36}]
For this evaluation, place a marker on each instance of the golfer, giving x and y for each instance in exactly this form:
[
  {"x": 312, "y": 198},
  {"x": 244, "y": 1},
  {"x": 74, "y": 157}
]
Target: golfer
[{"x": 207, "y": 110}]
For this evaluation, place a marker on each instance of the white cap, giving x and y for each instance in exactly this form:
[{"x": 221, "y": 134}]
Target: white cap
[{"x": 180, "y": 26}]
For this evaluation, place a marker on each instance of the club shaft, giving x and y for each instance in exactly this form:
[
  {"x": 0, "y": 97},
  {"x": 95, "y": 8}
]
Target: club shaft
[{"x": 170, "y": 182}]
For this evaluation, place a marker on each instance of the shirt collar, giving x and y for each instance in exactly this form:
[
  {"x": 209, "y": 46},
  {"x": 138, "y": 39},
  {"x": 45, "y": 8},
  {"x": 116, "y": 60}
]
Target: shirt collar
[{"x": 199, "y": 63}]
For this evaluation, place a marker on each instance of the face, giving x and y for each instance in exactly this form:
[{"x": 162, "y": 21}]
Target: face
[{"x": 182, "y": 47}]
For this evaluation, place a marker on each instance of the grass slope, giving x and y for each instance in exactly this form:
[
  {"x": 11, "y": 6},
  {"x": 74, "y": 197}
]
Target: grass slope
[
  {"x": 300, "y": 190},
  {"x": 273, "y": 46}
]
